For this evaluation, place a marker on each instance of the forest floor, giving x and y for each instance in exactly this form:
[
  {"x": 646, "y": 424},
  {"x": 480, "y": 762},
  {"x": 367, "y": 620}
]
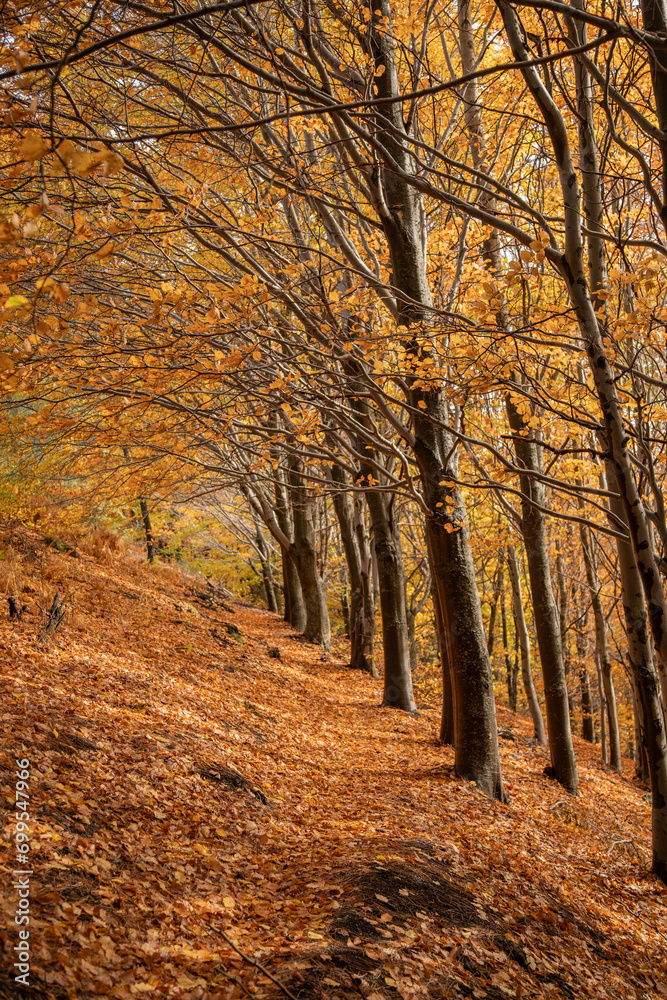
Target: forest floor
[{"x": 192, "y": 794}]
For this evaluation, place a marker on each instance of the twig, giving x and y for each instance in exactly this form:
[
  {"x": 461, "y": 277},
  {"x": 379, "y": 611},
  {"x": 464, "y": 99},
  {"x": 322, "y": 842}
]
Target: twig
[
  {"x": 237, "y": 982},
  {"x": 251, "y": 961},
  {"x": 355, "y": 985}
]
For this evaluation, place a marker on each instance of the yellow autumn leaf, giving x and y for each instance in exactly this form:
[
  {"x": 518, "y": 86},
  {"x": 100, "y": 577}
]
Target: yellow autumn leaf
[
  {"x": 105, "y": 251},
  {"x": 16, "y": 302},
  {"x": 33, "y": 147}
]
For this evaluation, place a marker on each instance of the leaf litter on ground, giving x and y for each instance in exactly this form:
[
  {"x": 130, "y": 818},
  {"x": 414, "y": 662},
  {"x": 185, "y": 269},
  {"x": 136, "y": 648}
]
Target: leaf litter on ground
[{"x": 204, "y": 812}]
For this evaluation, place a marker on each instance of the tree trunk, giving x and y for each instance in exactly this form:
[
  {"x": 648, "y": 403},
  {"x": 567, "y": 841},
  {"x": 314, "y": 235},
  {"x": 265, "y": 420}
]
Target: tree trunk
[
  {"x": 563, "y": 618},
  {"x": 361, "y": 617},
  {"x": 475, "y": 731},
  {"x": 304, "y": 553},
  {"x": 602, "y": 652},
  {"x": 295, "y": 609},
  {"x": 148, "y": 530},
  {"x": 497, "y": 589},
  {"x": 412, "y": 640},
  {"x": 545, "y": 613},
  {"x": 524, "y": 644},
  {"x": 389, "y": 573},
  {"x": 603, "y": 711},
  {"x": 267, "y": 573},
  {"x": 511, "y": 667},
  {"x": 447, "y": 714},
  {"x": 533, "y": 521},
  {"x": 267, "y": 577},
  {"x": 345, "y": 611},
  {"x": 397, "y": 691},
  {"x": 587, "y": 720}
]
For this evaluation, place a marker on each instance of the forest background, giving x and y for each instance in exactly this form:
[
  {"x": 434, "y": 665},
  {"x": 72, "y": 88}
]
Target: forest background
[{"x": 368, "y": 302}]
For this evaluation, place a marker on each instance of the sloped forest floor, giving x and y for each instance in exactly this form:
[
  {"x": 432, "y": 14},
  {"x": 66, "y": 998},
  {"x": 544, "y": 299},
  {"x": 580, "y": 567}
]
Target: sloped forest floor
[{"x": 202, "y": 781}]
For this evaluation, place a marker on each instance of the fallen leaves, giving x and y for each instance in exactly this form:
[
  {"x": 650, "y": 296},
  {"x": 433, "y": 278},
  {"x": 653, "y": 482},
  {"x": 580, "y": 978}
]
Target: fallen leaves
[{"x": 144, "y": 864}]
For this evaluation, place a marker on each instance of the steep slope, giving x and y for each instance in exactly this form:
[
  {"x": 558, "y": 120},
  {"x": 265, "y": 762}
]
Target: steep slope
[{"x": 202, "y": 781}]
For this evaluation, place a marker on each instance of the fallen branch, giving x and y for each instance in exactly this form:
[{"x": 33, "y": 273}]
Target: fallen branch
[{"x": 251, "y": 961}]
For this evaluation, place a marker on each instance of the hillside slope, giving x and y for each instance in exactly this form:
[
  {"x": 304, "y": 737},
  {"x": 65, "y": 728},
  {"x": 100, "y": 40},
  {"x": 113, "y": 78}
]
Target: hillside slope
[{"x": 201, "y": 781}]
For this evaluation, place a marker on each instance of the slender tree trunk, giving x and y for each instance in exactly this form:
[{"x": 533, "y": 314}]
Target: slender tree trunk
[
  {"x": 397, "y": 691},
  {"x": 447, "y": 714},
  {"x": 267, "y": 579},
  {"x": 497, "y": 588},
  {"x": 148, "y": 530},
  {"x": 361, "y": 617},
  {"x": 412, "y": 640},
  {"x": 587, "y": 720},
  {"x": 602, "y": 652},
  {"x": 295, "y": 609},
  {"x": 304, "y": 553},
  {"x": 267, "y": 573},
  {"x": 524, "y": 644},
  {"x": 563, "y": 619},
  {"x": 545, "y": 614},
  {"x": 511, "y": 667},
  {"x": 642, "y": 769},
  {"x": 603, "y": 711},
  {"x": 271, "y": 600}
]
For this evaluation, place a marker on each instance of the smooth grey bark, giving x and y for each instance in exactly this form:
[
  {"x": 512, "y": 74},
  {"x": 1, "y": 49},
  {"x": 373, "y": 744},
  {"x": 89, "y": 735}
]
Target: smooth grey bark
[
  {"x": 389, "y": 573},
  {"x": 524, "y": 645},
  {"x": 511, "y": 665},
  {"x": 148, "y": 530},
  {"x": 563, "y": 619},
  {"x": 587, "y": 719},
  {"x": 304, "y": 553},
  {"x": 295, "y": 608},
  {"x": 447, "y": 733},
  {"x": 497, "y": 588},
  {"x": 604, "y": 749},
  {"x": 361, "y": 617},
  {"x": 386, "y": 541},
  {"x": 608, "y": 701},
  {"x": 267, "y": 572}
]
